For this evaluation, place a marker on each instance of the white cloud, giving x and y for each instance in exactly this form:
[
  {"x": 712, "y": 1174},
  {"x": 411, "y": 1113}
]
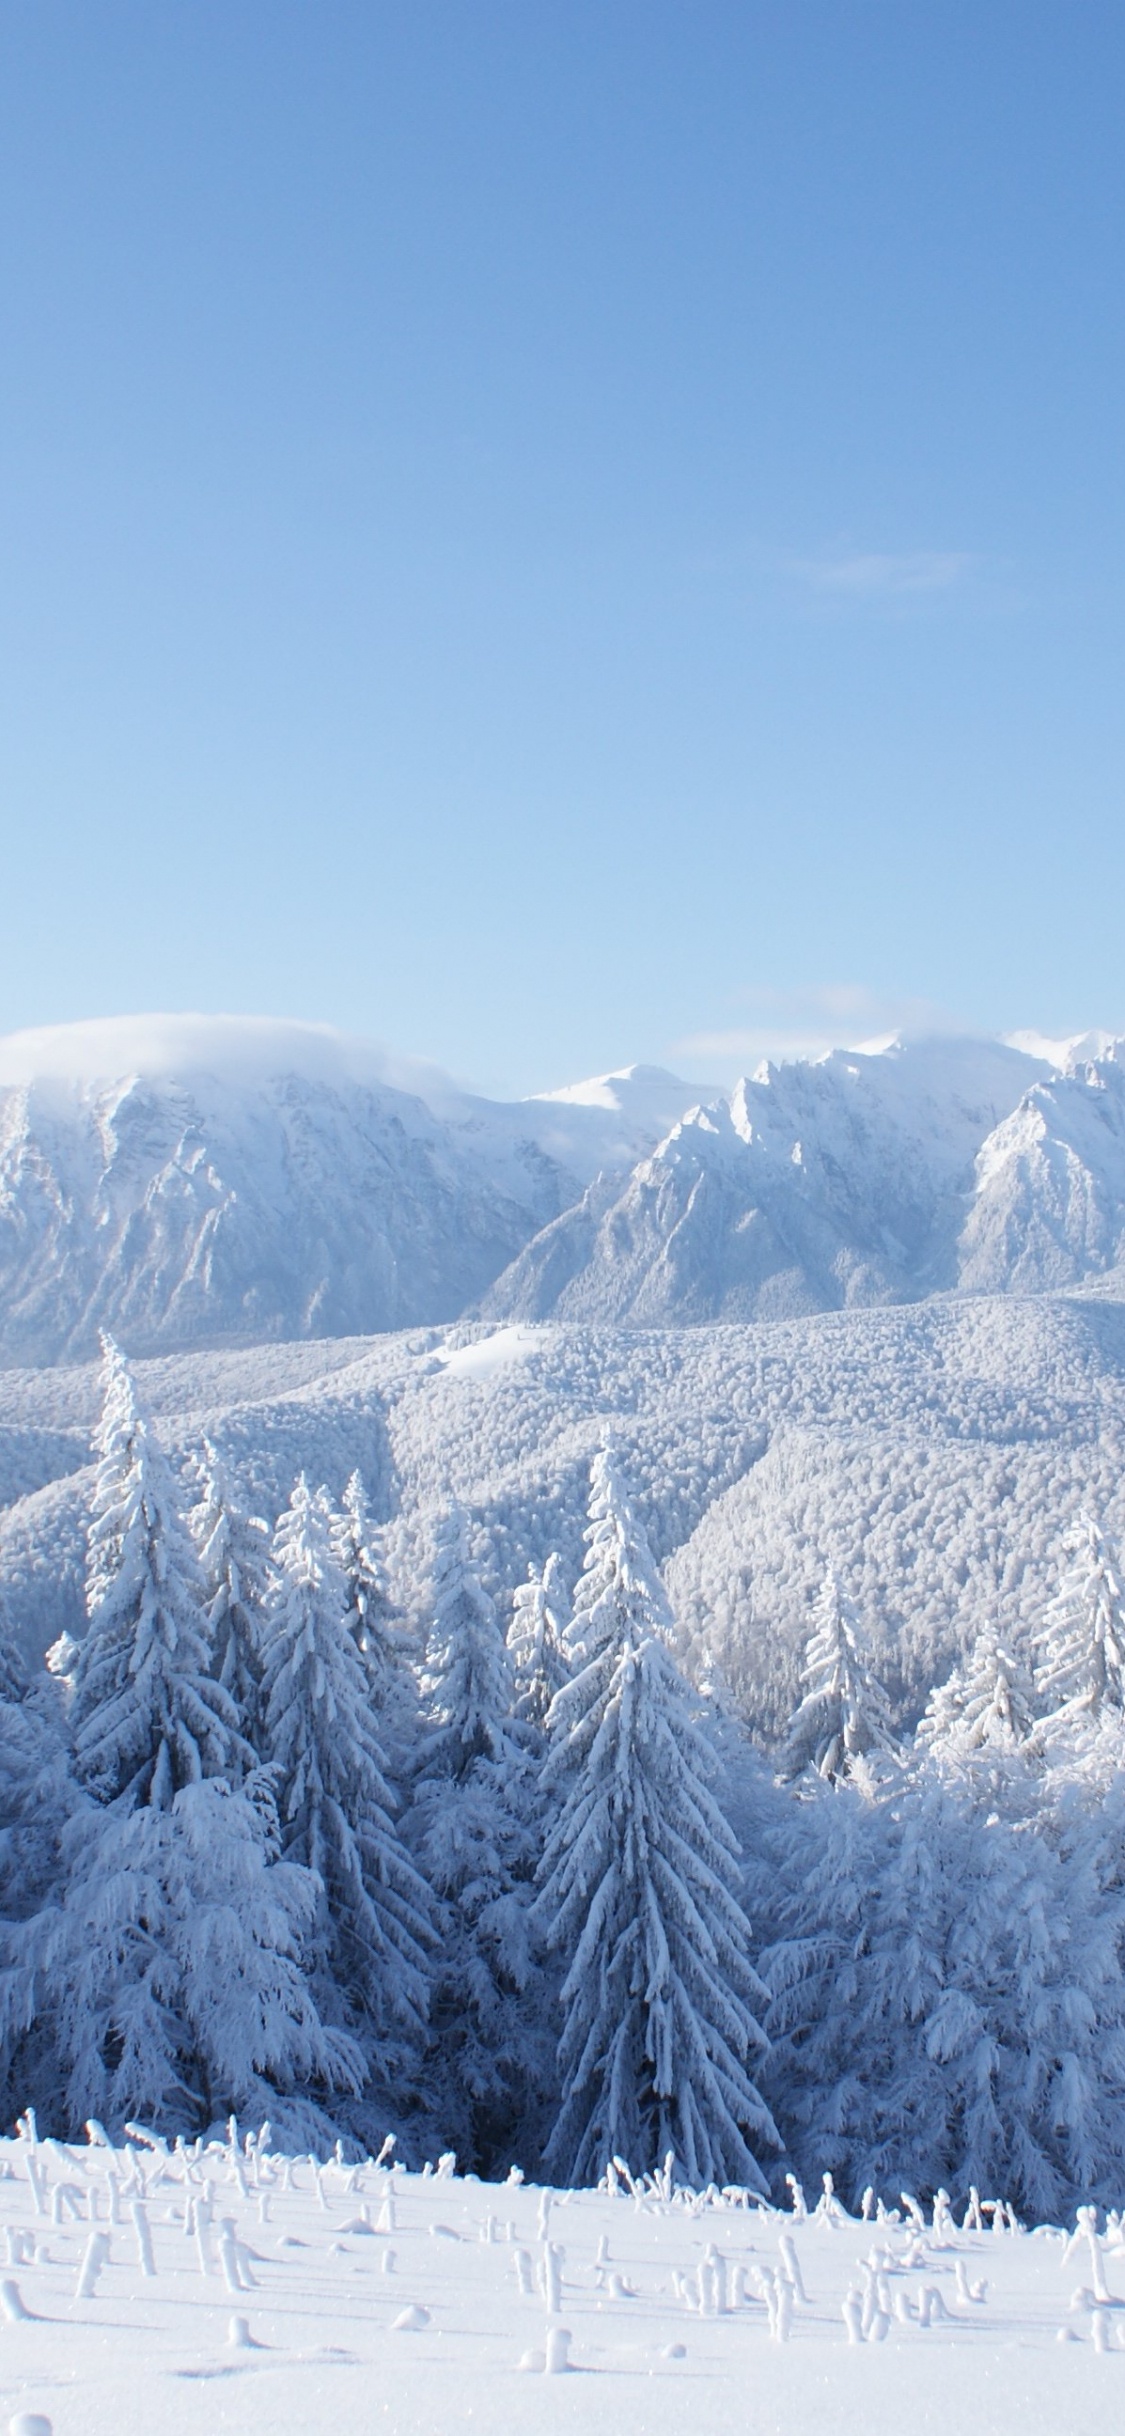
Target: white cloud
[
  {"x": 783, "y": 1024},
  {"x": 242, "y": 1048},
  {"x": 884, "y": 574}
]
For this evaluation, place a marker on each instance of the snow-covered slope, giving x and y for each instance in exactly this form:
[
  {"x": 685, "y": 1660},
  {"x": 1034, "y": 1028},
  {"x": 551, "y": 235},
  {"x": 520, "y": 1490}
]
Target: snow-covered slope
[
  {"x": 935, "y": 1455},
  {"x": 351, "y": 2298},
  {"x": 189, "y": 1179},
  {"x": 861, "y": 1179}
]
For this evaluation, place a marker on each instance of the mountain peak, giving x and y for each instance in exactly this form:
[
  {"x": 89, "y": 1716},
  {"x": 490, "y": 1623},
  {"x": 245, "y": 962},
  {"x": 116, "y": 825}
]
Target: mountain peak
[{"x": 623, "y": 1089}]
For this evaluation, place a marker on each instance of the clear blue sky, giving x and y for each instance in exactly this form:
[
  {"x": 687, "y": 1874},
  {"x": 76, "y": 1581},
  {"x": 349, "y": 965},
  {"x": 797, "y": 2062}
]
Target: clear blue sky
[{"x": 551, "y": 531}]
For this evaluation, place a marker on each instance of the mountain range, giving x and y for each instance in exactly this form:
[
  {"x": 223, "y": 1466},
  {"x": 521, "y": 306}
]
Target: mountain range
[{"x": 191, "y": 1181}]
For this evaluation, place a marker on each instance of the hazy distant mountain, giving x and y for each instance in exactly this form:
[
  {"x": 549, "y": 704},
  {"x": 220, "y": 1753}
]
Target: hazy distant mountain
[
  {"x": 860, "y": 1179},
  {"x": 206, "y": 1181},
  {"x": 192, "y": 1180}
]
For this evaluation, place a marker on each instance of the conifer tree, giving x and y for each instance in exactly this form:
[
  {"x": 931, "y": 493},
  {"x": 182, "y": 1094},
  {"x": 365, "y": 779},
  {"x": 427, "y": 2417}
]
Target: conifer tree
[
  {"x": 336, "y": 1809},
  {"x": 619, "y": 1582},
  {"x": 148, "y": 1715},
  {"x": 639, "y": 1895},
  {"x": 355, "y": 1540},
  {"x": 1081, "y": 1644},
  {"x": 983, "y": 1713},
  {"x": 476, "y": 1829},
  {"x": 469, "y": 1675},
  {"x": 165, "y": 1979},
  {"x": 233, "y": 1549},
  {"x": 844, "y": 1715},
  {"x": 392, "y": 1685},
  {"x": 839, "y": 2024},
  {"x": 536, "y": 1641}
]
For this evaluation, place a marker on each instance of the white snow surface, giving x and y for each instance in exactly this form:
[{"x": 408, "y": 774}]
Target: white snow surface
[
  {"x": 489, "y": 1354},
  {"x": 345, "y": 2298}
]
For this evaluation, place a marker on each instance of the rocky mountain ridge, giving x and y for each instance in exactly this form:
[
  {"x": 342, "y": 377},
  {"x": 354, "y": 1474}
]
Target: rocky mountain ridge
[{"x": 214, "y": 1181}]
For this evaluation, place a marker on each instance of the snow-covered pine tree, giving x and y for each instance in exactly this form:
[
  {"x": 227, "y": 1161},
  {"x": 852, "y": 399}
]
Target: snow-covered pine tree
[
  {"x": 233, "y": 1549},
  {"x": 468, "y": 1679},
  {"x": 619, "y": 1581},
  {"x": 639, "y": 1894},
  {"x": 1081, "y": 1643},
  {"x": 536, "y": 1641},
  {"x": 148, "y": 1715},
  {"x": 391, "y": 1682},
  {"x": 355, "y": 1541},
  {"x": 336, "y": 1809},
  {"x": 14, "y": 1678},
  {"x": 475, "y": 1826},
  {"x": 984, "y": 1711},
  {"x": 844, "y": 1715},
  {"x": 844, "y": 1994},
  {"x": 38, "y": 1796},
  {"x": 165, "y": 1979}
]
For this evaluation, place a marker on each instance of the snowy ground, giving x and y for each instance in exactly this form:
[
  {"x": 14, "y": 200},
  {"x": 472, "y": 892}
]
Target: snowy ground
[{"x": 378, "y": 2300}]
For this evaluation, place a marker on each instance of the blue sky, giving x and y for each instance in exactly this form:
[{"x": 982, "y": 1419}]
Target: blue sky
[{"x": 558, "y": 534}]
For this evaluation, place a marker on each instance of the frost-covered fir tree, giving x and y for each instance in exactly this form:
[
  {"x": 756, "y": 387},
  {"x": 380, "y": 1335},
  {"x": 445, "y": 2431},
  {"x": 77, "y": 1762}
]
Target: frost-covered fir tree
[
  {"x": 38, "y": 1795},
  {"x": 392, "y": 1684},
  {"x": 829, "y": 1851},
  {"x": 619, "y": 1582},
  {"x": 984, "y": 1712},
  {"x": 844, "y": 1715},
  {"x": 233, "y": 1549},
  {"x": 148, "y": 1716},
  {"x": 1081, "y": 1643},
  {"x": 355, "y": 1541},
  {"x": 536, "y": 1641},
  {"x": 321, "y": 1738},
  {"x": 166, "y": 1977},
  {"x": 639, "y": 1895},
  {"x": 468, "y": 1671},
  {"x": 475, "y": 1826},
  {"x": 948, "y": 1997}
]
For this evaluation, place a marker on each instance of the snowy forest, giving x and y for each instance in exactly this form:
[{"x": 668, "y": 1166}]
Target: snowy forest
[{"x": 519, "y": 1890}]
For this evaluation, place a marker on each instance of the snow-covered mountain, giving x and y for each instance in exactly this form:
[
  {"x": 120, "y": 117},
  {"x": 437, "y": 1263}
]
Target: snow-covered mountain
[
  {"x": 191, "y": 1180},
  {"x": 198, "y": 1180},
  {"x": 860, "y": 1179}
]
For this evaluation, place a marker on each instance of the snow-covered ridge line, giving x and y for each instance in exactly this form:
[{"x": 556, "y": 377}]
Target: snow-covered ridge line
[
  {"x": 215, "y": 1180},
  {"x": 219, "y": 1180}
]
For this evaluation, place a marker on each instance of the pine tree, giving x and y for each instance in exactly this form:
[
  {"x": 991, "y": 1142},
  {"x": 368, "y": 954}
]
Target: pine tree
[
  {"x": 336, "y": 1809},
  {"x": 391, "y": 1683},
  {"x": 355, "y": 1541},
  {"x": 148, "y": 1716},
  {"x": 166, "y": 1976},
  {"x": 468, "y": 1676},
  {"x": 1081, "y": 1673},
  {"x": 475, "y": 1826},
  {"x": 983, "y": 1713},
  {"x": 619, "y": 1582},
  {"x": 844, "y": 1715},
  {"x": 832, "y": 1847},
  {"x": 639, "y": 1885},
  {"x": 38, "y": 1796},
  {"x": 536, "y": 1641},
  {"x": 233, "y": 1549}
]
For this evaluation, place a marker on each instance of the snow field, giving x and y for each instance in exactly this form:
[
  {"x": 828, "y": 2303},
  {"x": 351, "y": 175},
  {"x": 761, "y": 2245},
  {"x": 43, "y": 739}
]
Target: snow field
[{"x": 223, "y": 2289}]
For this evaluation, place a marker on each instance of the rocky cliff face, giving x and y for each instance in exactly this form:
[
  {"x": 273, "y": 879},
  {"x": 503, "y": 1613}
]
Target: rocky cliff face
[{"x": 944, "y": 1166}]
